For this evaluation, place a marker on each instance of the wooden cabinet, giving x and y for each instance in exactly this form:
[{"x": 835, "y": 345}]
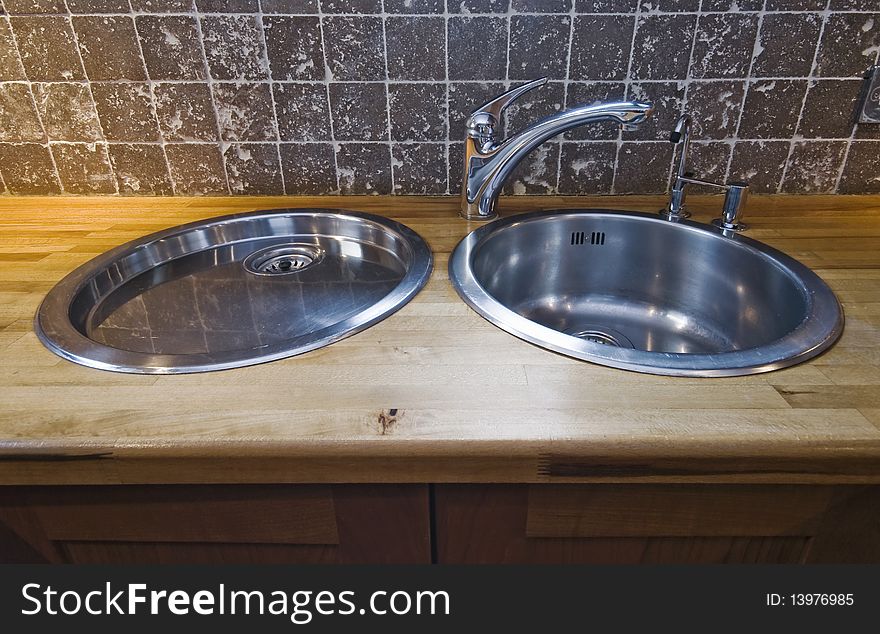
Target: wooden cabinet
[
  {"x": 216, "y": 524},
  {"x": 662, "y": 523},
  {"x": 547, "y": 523}
]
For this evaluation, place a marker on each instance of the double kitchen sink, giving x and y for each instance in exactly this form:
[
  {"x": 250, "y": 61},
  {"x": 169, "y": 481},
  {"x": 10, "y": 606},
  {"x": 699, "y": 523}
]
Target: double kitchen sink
[{"x": 652, "y": 293}]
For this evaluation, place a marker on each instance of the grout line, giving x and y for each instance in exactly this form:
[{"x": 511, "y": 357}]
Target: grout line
[
  {"x": 565, "y": 87},
  {"x": 150, "y": 86},
  {"x": 746, "y": 83},
  {"x": 796, "y": 137},
  {"x": 328, "y": 76},
  {"x": 391, "y": 159},
  {"x": 448, "y": 111},
  {"x": 209, "y": 79},
  {"x": 260, "y": 21},
  {"x": 627, "y": 84},
  {"x": 475, "y": 14},
  {"x": 688, "y": 82},
  {"x": 94, "y": 103}
]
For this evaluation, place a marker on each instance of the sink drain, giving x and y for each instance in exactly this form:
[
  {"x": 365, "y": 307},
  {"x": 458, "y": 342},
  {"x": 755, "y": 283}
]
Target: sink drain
[
  {"x": 282, "y": 259},
  {"x": 602, "y": 336}
]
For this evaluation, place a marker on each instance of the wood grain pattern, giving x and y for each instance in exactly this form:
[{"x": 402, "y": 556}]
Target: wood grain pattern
[
  {"x": 473, "y": 404},
  {"x": 675, "y": 510}
]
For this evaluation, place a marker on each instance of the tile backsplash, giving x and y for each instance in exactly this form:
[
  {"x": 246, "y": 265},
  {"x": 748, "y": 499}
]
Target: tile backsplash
[{"x": 161, "y": 97}]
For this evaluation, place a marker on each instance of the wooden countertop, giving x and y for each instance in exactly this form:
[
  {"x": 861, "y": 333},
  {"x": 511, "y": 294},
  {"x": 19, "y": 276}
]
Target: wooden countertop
[{"x": 434, "y": 393}]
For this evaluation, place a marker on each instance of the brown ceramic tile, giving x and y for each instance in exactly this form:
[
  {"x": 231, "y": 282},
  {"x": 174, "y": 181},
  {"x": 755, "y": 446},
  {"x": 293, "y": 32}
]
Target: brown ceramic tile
[
  {"x": 643, "y": 168},
  {"x": 715, "y": 107},
  {"x": 140, "y": 169},
  {"x": 84, "y": 168},
  {"x": 303, "y": 113},
  {"x": 605, "y": 6},
  {"x": 354, "y": 47},
  {"x": 359, "y": 112},
  {"x": 535, "y": 41},
  {"x": 796, "y": 5},
  {"x": 228, "y": 6},
  {"x": 16, "y": 7},
  {"x": 600, "y": 46},
  {"x": 234, "y": 47},
  {"x": 162, "y": 6},
  {"x": 289, "y": 6},
  {"x": 477, "y": 48},
  {"x": 770, "y": 109},
  {"x": 351, "y": 6},
  {"x": 293, "y": 44},
  {"x": 849, "y": 44},
  {"x": 196, "y": 168},
  {"x": 418, "y": 112},
  {"x": 708, "y": 160},
  {"x": 860, "y": 175},
  {"x": 18, "y": 118},
  {"x": 668, "y": 100},
  {"x": 732, "y": 5},
  {"x": 47, "y": 47},
  {"x": 98, "y": 6},
  {"x": 27, "y": 169},
  {"x": 662, "y": 46},
  {"x": 253, "y": 168},
  {"x": 830, "y": 110},
  {"x": 419, "y": 168},
  {"x": 853, "y": 5},
  {"x": 185, "y": 112},
  {"x": 126, "y": 111},
  {"x": 787, "y": 44},
  {"x": 590, "y": 94},
  {"x": 671, "y": 6},
  {"x": 724, "y": 45},
  {"x": 541, "y": 6},
  {"x": 456, "y": 167},
  {"x": 109, "y": 47},
  {"x": 416, "y": 48},
  {"x": 10, "y": 64},
  {"x": 813, "y": 167},
  {"x": 171, "y": 46},
  {"x": 478, "y": 6},
  {"x": 759, "y": 163},
  {"x": 464, "y": 98},
  {"x": 414, "y": 6},
  {"x": 309, "y": 169},
  {"x": 244, "y": 112},
  {"x": 67, "y": 111},
  {"x": 587, "y": 168},
  {"x": 364, "y": 168},
  {"x": 537, "y": 173}
]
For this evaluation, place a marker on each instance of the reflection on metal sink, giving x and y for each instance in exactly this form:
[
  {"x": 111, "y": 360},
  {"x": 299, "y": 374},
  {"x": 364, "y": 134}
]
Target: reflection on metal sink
[
  {"x": 233, "y": 291},
  {"x": 639, "y": 292}
]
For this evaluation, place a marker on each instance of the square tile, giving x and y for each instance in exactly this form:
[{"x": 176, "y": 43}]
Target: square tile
[
  {"x": 185, "y": 111},
  {"x": 309, "y": 168},
  {"x": 535, "y": 42},
  {"x": 587, "y": 168},
  {"x": 109, "y": 47},
  {"x": 419, "y": 168},
  {"x": 244, "y": 112},
  {"x": 84, "y": 168},
  {"x": 770, "y": 109},
  {"x": 787, "y": 44},
  {"x": 364, "y": 168},
  {"x": 27, "y": 169},
  {"x": 477, "y": 47},
  {"x": 643, "y": 167},
  {"x": 359, "y": 112},
  {"x": 303, "y": 112},
  {"x": 234, "y": 47},
  {"x": 18, "y": 118},
  {"x": 47, "y": 47},
  {"x": 724, "y": 45},
  {"x": 67, "y": 111},
  {"x": 600, "y": 46},
  {"x": 355, "y": 48},
  {"x": 418, "y": 112},
  {"x": 760, "y": 164},
  {"x": 662, "y": 46},
  {"x": 416, "y": 48},
  {"x": 140, "y": 169},
  {"x": 831, "y": 108},
  {"x": 253, "y": 168},
  {"x": 196, "y": 169},
  {"x": 171, "y": 46},
  {"x": 126, "y": 112},
  {"x": 813, "y": 167},
  {"x": 294, "y": 47}
]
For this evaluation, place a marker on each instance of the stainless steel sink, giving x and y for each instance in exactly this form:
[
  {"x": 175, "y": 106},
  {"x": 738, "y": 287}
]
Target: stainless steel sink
[
  {"x": 638, "y": 292},
  {"x": 233, "y": 291}
]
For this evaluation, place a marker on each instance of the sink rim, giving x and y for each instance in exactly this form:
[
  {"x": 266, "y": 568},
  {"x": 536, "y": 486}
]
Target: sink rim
[
  {"x": 821, "y": 327},
  {"x": 54, "y": 329}
]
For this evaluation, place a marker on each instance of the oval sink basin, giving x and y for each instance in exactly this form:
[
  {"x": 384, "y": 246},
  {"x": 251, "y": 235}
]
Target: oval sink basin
[
  {"x": 233, "y": 291},
  {"x": 638, "y": 292}
]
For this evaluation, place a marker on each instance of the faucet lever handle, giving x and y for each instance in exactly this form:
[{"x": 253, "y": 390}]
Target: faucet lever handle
[{"x": 500, "y": 103}]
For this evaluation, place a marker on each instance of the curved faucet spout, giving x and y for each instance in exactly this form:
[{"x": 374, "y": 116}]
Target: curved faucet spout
[{"x": 488, "y": 164}]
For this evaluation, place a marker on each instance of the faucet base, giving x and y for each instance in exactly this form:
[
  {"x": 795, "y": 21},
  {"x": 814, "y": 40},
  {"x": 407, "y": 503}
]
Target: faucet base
[
  {"x": 736, "y": 227},
  {"x": 477, "y": 217},
  {"x": 671, "y": 215}
]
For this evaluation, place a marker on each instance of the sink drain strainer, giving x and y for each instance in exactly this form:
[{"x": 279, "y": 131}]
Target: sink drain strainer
[
  {"x": 282, "y": 259},
  {"x": 602, "y": 336}
]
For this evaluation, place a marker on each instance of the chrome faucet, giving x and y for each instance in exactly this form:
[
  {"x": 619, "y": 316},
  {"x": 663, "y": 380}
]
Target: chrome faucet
[
  {"x": 734, "y": 200},
  {"x": 488, "y": 162}
]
